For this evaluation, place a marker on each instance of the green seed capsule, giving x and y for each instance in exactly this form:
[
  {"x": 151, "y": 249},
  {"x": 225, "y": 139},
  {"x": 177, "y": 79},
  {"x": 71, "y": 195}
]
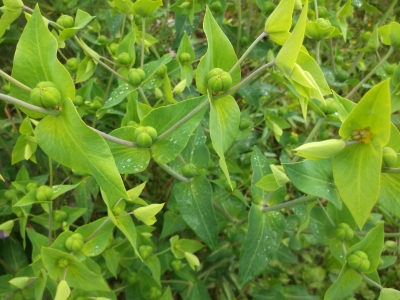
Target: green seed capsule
[
  {"x": 342, "y": 76},
  {"x": 73, "y": 64},
  {"x": 144, "y": 140},
  {"x": 124, "y": 58},
  {"x": 344, "y": 232},
  {"x": 134, "y": 77},
  {"x": 359, "y": 261},
  {"x": 189, "y": 170},
  {"x": 66, "y": 21},
  {"x": 75, "y": 242},
  {"x": 216, "y": 7},
  {"x": 44, "y": 193},
  {"x": 389, "y": 157},
  {"x": 244, "y": 123},
  {"x": 161, "y": 71},
  {"x": 60, "y": 215},
  {"x": 113, "y": 48},
  {"x": 45, "y": 95},
  {"x": 185, "y": 57},
  {"x": 218, "y": 80}
]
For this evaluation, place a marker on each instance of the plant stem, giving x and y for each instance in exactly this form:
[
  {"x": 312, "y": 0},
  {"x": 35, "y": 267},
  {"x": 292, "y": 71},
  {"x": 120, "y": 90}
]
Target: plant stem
[
  {"x": 50, "y": 172},
  {"x": 241, "y": 59},
  {"x": 184, "y": 119},
  {"x": 289, "y": 203},
  {"x": 239, "y": 33},
  {"x": 99, "y": 61},
  {"x": 143, "y": 39},
  {"x": 114, "y": 139},
  {"x": 355, "y": 62},
  {"x": 351, "y": 93},
  {"x": 246, "y": 80},
  {"x": 317, "y": 55},
  {"x": 387, "y": 12},
  {"x": 143, "y": 96},
  {"x": 177, "y": 281},
  {"x": 332, "y": 56},
  {"x": 50, "y": 222},
  {"x": 175, "y": 174},
  {"x": 97, "y": 230},
  {"x": 386, "y": 234},
  {"x": 162, "y": 252},
  {"x": 391, "y": 170},
  {"x": 14, "y": 81},
  {"x": 26, "y": 105},
  {"x": 326, "y": 213},
  {"x": 224, "y": 212},
  {"x": 369, "y": 280}
]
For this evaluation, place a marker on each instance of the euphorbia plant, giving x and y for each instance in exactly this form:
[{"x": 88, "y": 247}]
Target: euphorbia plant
[{"x": 132, "y": 164}]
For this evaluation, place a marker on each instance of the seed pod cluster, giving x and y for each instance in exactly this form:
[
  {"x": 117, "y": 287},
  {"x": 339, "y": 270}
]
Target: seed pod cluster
[
  {"x": 218, "y": 80},
  {"x": 136, "y": 76},
  {"x": 144, "y": 136},
  {"x": 46, "y": 95}
]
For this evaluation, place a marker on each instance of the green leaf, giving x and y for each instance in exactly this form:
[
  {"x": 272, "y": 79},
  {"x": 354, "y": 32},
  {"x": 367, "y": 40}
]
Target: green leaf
[
  {"x": 7, "y": 18},
  {"x": 99, "y": 242},
  {"x": 195, "y": 203},
  {"x": 38, "y": 241},
  {"x": 372, "y": 245},
  {"x": 220, "y": 54},
  {"x": 263, "y": 239},
  {"x": 279, "y": 22},
  {"x": 144, "y": 8},
  {"x": 389, "y": 192},
  {"x": 116, "y": 97},
  {"x": 344, "y": 106},
  {"x": 63, "y": 291},
  {"x": 13, "y": 254},
  {"x": 344, "y": 285},
  {"x": 36, "y": 55},
  {"x": 82, "y": 18},
  {"x": 358, "y": 192},
  {"x": 268, "y": 183},
  {"x": 68, "y": 140},
  {"x": 111, "y": 256},
  {"x": 314, "y": 178},
  {"x": 389, "y": 294},
  {"x": 172, "y": 223},
  {"x": 373, "y": 112},
  {"x": 287, "y": 56},
  {"x": 76, "y": 274},
  {"x": 260, "y": 165},
  {"x": 129, "y": 160},
  {"x": 186, "y": 68},
  {"x": 394, "y": 34},
  {"x": 164, "y": 118},
  {"x": 224, "y": 125},
  {"x": 86, "y": 69}
]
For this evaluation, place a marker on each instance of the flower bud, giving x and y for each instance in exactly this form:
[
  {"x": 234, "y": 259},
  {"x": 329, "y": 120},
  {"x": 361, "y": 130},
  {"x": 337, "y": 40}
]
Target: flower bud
[
  {"x": 31, "y": 186},
  {"x": 60, "y": 215},
  {"x": 359, "y": 261},
  {"x": 322, "y": 11},
  {"x": 75, "y": 242},
  {"x": 219, "y": 80},
  {"x": 66, "y": 21},
  {"x": 9, "y": 194},
  {"x": 323, "y": 23},
  {"x": 44, "y": 193},
  {"x": 389, "y": 157},
  {"x": 73, "y": 64},
  {"x": 216, "y": 7},
  {"x": 192, "y": 260},
  {"x": 7, "y": 88},
  {"x": 344, "y": 232},
  {"x": 329, "y": 107},
  {"x": 189, "y": 170},
  {"x": 145, "y": 251},
  {"x": 185, "y": 57},
  {"x": 113, "y": 48},
  {"x": 391, "y": 246},
  {"x": 63, "y": 263},
  {"x": 102, "y": 39},
  {"x": 161, "y": 71},
  {"x": 78, "y": 100},
  {"x": 124, "y": 58},
  {"x": 320, "y": 150}
]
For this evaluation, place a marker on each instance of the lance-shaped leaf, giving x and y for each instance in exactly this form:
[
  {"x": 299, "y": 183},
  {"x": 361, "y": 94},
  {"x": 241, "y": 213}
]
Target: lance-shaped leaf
[
  {"x": 220, "y": 54},
  {"x": 13, "y": 9},
  {"x": 144, "y": 8},
  {"x": 320, "y": 150},
  {"x": 224, "y": 125},
  {"x": 279, "y": 22},
  {"x": 344, "y": 285},
  {"x": 263, "y": 239},
  {"x": 185, "y": 60},
  {"x": 195, "y": 203},
  {"x": 36, "y": 55},
  {"x": 68, "y": 140},
  {"x": 287, "y": 56}
]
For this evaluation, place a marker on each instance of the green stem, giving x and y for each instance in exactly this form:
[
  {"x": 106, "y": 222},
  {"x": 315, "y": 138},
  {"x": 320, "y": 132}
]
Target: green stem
[
  {"x": 246, "y": 80},
  {"x": 369, "y": 280},
  {"x": 351, "y": 93},
  {"x": 316, "y": 8},
  {"x": 259, "y": 38},
  {"x": 332, "y": 56},
  {"x": 215, "y": 266},
  {"x": 50, "y": 172},
  {"x": 173, "y": 173},
  {"x": 14, "y": 81},
  {"x": 97, "y": 230},
  {"x": 310, "y": 137},
  {"x": 290, "y": 203},
  {"x": 162, "y": 252},
  {"x": 99, "y": 61},
  {"x": 143, "y": 96},
  {"x": 183, "y": 120},
  {"x": 114, "y": 139},
  {"x": 120, "y": 288},
  {"x": 386, "y": 234},
  {"x": 26, "y": 105},
  {"x": 155, "y": 52},
  {"x": 391, "y": 170},
  {"x": 355, "y": 62},
  {"x": 177, "y": 281},
  {"x": 143, "y": 39},
  {"x": 317, "y": 55},
  {"x": 224, "y": 212},
  {"x": 6, "y": 149},
  {"x": 326, "y": 214},
  {"x": 387, "y": 12},
  {"x": 50, "y": 222},
  {"x": 239, "y": 34}
]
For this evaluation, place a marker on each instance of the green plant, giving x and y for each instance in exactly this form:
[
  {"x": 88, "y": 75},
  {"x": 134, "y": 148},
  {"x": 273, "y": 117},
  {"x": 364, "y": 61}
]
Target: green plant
[{"x": 199, "y": 150}]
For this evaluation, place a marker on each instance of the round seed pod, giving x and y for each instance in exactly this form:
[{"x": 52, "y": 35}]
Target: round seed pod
[
  {"x": 75, "y": 242},
  {"x": 359, "y": 261},
  {"x": 44, "y": 193},
  {"x": 189, "y": 170},
  {"x": 344, "y": 232},
  {"x": 66, "y": 21},
  {"x": 72, "y": 64},
  {"x": 389, "y": 157},
  {"x": 185, "y": 57},
  {"x": 218, "y": 80},
  {"x": 124, "y": 58},
  {"x": 144, "y": 140}
]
